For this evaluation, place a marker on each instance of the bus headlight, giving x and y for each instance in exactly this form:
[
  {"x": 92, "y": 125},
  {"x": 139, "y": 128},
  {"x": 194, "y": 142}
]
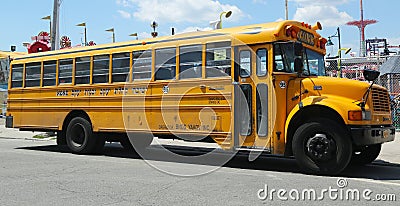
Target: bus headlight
[{"x": 359, "y": 115}]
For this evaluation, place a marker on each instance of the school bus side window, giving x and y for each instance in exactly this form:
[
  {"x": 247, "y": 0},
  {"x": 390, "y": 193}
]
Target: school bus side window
[
  {"x": 218, "y": 59},
  {"x": 262, "y": 62},
  {"x": 65, "y": 71},
  {"x": 190, "y": 61},
  {"x": 33, "y": 73},
  {"x": 245, "y": 63},
  {"x": 16, "y": 75},
  {"x": 49, "y": 73},
  {"x": 120, "y": 67},
  {"x": 82, "y": 70},
  {"x": 101, "y": 69},
  {"x": 142, "y": 61},
  {"x": 165, "y": 64}
]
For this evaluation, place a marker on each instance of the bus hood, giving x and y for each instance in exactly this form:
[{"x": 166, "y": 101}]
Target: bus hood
[{"x": 347, "y": 88}]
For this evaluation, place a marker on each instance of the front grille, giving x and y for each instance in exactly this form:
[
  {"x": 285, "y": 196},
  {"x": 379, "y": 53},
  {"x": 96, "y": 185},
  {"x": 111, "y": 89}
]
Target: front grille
[{"x": 380, "y": 100}]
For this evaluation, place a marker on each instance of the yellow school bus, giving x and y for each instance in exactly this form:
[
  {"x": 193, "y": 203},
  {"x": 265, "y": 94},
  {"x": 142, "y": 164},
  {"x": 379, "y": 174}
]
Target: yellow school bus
[{"x": 255, "y": 87}]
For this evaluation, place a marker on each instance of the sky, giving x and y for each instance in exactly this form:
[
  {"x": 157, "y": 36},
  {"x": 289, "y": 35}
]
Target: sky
[{"x": 21, "y": 19}]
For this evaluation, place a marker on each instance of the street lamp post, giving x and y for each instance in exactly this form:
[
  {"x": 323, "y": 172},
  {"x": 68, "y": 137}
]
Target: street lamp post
[
  {"x": 340, "y": 49},
  {"x": 85, "y": 32},
  {"x": 286, "y": 10},
  {"x": 227, "y": 15},
  {"x": 134, "y": 35},
  {"x": 113, "y": 34},
  {"x": 49, "y": 19},
  {"x": 347, "y": 50}
]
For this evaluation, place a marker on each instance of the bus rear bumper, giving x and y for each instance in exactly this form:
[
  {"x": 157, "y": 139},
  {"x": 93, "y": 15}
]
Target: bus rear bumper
[
  {"x": 9, "y": 121},
  {"x": 367, "y": 135}
]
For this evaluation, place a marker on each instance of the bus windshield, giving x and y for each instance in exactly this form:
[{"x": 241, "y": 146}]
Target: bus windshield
[
  {"x": 314, "y": 64},
  {"x": 284, "y": 60}
]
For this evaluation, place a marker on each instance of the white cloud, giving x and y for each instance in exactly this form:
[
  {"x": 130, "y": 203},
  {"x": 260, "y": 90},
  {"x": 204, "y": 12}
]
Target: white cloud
[
  {"x": 321, "y": 2},
  {"x": 393, "y": 41},
  {"x": 324, "y": 11},
  {"x": 124, "y": 3},
  {"x": 125, "y": 14},
  {"x": 144, "y": 35},
  {"x": 193, "y": 29},
  {"x": 192, "y": 11},
  {"x": 329, "y": 16}
]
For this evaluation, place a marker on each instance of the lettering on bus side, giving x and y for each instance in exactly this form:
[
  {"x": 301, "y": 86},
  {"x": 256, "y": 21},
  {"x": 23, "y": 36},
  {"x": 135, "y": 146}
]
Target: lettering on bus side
[
  {"x": 62, "y": 93},
  {"x": 139, "y": 90},
  {"x": 75, "y": 92},
  {"x": 105, "y": 92},
  {"x": 90, "y": 92},
  {"x": 306, "y": 37},
  {"x": 187, "y": 127},
  {"x": 215, "y": 100},
  {"x": 120, "y": 91}
]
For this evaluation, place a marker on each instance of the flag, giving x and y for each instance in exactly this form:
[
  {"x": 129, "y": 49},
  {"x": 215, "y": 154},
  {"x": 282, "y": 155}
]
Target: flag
[
  {"x": 81, "y": 24},
  {"x": 110, "y": 30},
  {"x": 47, "y": 18}
]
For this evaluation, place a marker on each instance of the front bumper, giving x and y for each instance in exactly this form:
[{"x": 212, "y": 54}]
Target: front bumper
[{"x": 367, "y": 135}]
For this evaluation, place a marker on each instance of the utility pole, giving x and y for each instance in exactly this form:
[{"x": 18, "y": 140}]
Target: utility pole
[
  {"x": 286, "y": 10},
  {"x": 55, "y": 37}
]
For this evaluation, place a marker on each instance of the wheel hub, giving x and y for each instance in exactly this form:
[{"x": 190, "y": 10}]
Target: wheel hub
[{"x": 320, "y": 147}]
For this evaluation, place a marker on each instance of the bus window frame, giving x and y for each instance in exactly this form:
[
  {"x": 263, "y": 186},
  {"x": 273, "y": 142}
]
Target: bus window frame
[
  {"x": 37, "y": 80},
  {"x": 228, "y": 70},
  {"x": 201, "y": 65},
  {"x": 93, "y": 75},
  {"x": 72, "y": 64},
  {"x": 150, "y": 66},
  {"x": 82, "y": 76},
  {"x": 22, "y": 76},
  {"x": 55, "y": 72},
  {"x": 158, "y": 68},
  {"x": 128, "y": 74}
]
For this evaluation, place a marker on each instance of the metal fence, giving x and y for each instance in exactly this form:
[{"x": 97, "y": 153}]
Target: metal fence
[{"x": 352, "y": 68}]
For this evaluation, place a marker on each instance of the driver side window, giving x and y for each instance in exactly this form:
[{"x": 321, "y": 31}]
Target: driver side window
[{"x": 278, "y": 59}]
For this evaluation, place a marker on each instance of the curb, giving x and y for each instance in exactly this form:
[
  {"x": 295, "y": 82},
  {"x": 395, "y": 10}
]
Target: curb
[{"x": 31, "y": 138}]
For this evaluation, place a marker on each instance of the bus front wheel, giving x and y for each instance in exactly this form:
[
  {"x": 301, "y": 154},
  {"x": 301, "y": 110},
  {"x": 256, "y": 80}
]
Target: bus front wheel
[
  {"x": 366, "y": 154},
  {"x": 322, "y": 147},
  {"x": 80, "y": 137}
]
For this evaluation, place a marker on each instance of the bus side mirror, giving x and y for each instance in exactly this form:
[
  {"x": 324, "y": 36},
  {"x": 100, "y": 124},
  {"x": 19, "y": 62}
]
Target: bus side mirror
[
  {"x": 371, "y": 75},
  {"x": 298, "y": 65}
]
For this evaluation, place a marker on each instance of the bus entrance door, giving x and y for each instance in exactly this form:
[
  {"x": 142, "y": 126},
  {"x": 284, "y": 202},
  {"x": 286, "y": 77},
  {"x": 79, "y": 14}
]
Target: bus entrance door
[{"x": 252, "y": 104}]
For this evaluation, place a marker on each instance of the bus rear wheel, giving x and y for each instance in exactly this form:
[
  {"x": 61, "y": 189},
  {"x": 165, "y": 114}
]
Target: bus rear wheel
[
  {"x": 366, "y": 154},
  {"x": 80, "y": 137},
  {"x": 322, "y": 147}
]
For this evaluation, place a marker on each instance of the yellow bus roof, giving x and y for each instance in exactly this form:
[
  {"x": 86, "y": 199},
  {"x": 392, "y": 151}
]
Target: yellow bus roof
[
  {"x": 248, "y": 34},
  {"x": 4, "y": 54}
]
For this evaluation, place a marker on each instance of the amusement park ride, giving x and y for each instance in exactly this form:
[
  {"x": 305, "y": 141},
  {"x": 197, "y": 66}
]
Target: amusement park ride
[
  {"x": 45, "y": 42},
  {"x": 42, "y": 43}
]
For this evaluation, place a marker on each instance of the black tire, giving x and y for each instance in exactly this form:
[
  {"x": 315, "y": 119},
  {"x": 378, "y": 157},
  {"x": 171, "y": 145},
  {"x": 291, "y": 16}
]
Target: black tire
[
  {"x": 100, "y": 142},
  {"x": 79, "y": 136},
  {"x": 61, "y": 139},
  {"x": 126, "y": 144},
  {"x": 366, "y": 154},
  {"x": 322, "y": 147}
]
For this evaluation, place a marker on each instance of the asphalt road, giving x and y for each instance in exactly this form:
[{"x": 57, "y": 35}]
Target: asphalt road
[{"x": 40, "y": 173}]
